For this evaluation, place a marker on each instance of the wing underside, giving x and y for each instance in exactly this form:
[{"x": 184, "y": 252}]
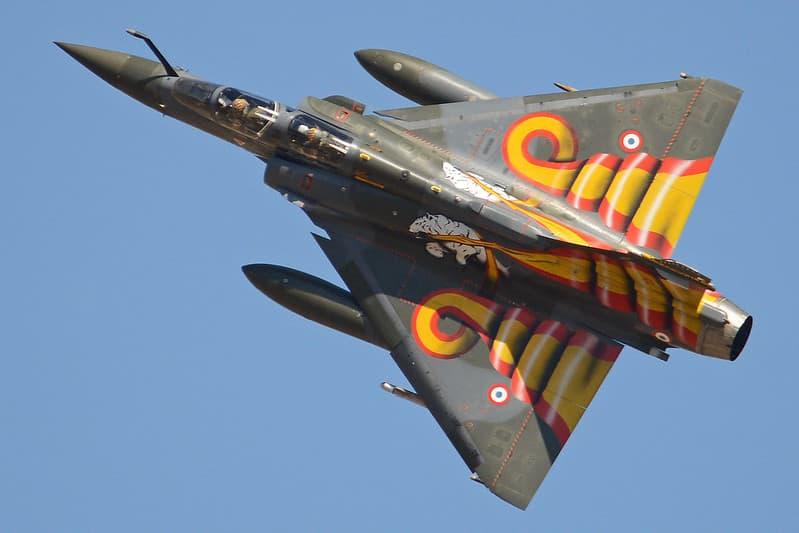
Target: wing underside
[{"x": 507, "y": 385}]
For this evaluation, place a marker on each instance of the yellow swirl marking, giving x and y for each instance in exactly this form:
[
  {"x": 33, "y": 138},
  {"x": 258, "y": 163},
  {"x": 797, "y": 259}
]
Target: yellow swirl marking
[
  {"x": 478, "y": 313},
  {"x": 555, "y": 175}
]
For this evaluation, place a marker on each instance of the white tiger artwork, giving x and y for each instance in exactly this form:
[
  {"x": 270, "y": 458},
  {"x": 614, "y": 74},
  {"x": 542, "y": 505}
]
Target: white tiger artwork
[
  {"x": 441, "y": 225},
  {"x": 469, "y": 184}
]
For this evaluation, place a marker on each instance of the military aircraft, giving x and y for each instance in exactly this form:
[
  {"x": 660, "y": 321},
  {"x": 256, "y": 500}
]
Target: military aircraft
[{"x": 503, "y": 250}]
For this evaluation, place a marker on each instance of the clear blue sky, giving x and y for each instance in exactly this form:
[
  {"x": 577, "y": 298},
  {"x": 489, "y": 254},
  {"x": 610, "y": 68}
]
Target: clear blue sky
[{"x": 146, "y": 386}]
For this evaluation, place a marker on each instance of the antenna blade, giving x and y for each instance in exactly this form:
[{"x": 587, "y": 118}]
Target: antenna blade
[{"x": 564, "y": 87}]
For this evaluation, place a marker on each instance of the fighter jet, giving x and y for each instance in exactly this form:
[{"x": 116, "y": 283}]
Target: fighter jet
[{"x": 503, "y": 250}]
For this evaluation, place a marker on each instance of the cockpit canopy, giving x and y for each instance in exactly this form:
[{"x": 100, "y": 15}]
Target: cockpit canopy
[
  {"x": 317, "y": 140},
  {"x": 194, "y": 93},
  {"x": 235, "y": 109},
  {"x": 245, "y": 112}
]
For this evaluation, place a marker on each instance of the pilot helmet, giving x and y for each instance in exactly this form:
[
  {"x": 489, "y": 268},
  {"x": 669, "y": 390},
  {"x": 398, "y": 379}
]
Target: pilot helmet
[{"x": 239, "y": 104}]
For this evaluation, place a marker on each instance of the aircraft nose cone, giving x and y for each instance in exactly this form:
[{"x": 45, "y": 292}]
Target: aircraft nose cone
[
  {"x": 128, "y": 73},
  {"x": 105, "y": 63}
]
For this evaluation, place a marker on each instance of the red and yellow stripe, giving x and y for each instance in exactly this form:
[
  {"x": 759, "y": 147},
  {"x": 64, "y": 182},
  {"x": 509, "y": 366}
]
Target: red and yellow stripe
[
  {"x": 592, "y": 182},
  {"x": 568, "y": 266},
  {"x": 685, "y": 324},
  {"x": 651, "y": 299},
  {"x": 508, "y": 342},
  {"x": 574, "y": 382},
  {"x": 668, "y": 202},
  {"x": 652, "y": 211},
  {"x": 612, "y": 287},
  {"x": 537, "y": 360},
  {"x": 557, "y": 372},
  {"x": 685, "y": 303},
  {"x": 627, "y": 190}
]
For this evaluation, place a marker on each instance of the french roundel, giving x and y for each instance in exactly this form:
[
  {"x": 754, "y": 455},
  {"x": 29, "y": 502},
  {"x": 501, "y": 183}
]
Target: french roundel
[
  {"x": 498, "y": 394},
  {"x": 631, "y": 140}
]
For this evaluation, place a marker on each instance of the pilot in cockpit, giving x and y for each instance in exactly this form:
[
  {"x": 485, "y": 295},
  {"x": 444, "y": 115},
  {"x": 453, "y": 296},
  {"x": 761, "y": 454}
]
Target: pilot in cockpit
[
  {"x": 311, "y": 134},
  {"x": 239, "y": 108}
]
